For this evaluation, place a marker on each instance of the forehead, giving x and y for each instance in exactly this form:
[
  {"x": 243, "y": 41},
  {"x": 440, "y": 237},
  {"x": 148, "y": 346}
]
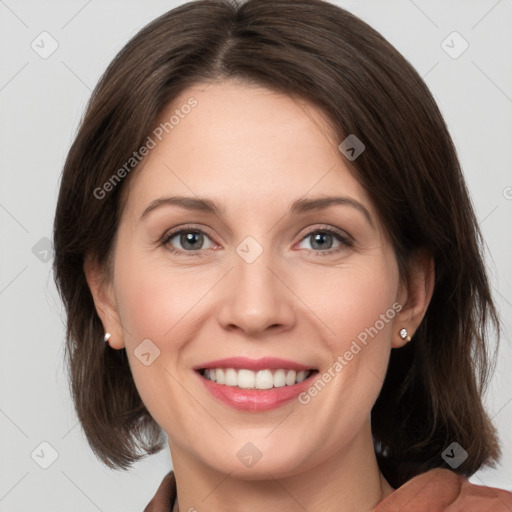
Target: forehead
[{"x": 246, "y": 144}]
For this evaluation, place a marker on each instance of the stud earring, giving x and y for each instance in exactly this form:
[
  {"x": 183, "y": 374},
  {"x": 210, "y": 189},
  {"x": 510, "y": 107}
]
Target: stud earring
[
  {"x": 404, "y": 335},
  {"x": 106, "y": 337}
]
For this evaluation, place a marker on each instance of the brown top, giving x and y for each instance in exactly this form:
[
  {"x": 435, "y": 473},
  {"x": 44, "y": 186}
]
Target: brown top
[{"x": 437, "y": 490}]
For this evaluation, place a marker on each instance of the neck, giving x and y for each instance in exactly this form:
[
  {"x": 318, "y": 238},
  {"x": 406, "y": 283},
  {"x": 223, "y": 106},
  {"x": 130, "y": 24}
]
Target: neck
[{"x": 347, "y": 481}]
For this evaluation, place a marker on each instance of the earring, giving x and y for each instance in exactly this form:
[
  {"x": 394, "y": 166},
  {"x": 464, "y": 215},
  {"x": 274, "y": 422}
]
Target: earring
[
  {"x": 404, "y": 335},
  {"x": 106, "y": 337}
]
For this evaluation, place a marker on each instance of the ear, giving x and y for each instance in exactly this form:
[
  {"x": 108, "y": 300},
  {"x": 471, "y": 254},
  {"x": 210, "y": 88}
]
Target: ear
[
  {"x": 414, "y": 296},
  {"x": 102, "y": 291}
]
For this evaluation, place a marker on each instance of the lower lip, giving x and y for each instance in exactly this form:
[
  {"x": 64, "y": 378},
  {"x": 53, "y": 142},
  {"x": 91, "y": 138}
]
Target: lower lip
[{"x": 256, "y": 399}]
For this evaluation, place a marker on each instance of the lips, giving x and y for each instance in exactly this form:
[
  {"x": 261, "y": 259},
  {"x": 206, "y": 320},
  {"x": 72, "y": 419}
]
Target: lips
[
  {"x": 255, "y": 384},
  {"x": 264, "y": 363}
]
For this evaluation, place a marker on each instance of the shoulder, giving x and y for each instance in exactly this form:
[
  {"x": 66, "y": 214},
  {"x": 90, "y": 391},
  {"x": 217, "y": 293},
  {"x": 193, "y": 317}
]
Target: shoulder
[
  {"x": 165, "y": 495},
  {"x": 443, "y": 490}
]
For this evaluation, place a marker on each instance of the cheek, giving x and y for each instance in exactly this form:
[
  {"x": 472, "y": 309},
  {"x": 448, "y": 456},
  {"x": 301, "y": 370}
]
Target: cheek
[
  {"x": 366, "y": 301},
  {"x": 153, "y": 300},
  {"x": 160, "y": 303},
  {"x": 155, "y": 306},
  {"x": 358, "y": 309},
  {"x": 355, "y": 299}
]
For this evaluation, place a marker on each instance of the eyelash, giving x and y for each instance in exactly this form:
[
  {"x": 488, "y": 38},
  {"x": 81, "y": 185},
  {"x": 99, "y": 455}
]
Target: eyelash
[{"x": 345, "y": 241}]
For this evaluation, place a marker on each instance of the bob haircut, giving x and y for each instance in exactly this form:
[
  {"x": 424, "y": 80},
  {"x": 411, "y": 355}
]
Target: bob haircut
[{"x": 318, "y": 52}]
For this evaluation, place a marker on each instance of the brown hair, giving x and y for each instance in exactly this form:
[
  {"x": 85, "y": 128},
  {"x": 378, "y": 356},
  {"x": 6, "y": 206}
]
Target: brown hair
[{"x": 432, "y": 394}]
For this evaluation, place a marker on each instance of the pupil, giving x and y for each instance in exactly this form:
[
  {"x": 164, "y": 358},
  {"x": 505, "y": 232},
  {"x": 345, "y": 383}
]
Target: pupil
[
  {"x": 190, "y": 238},
  {"x": 319, "y": 238}
]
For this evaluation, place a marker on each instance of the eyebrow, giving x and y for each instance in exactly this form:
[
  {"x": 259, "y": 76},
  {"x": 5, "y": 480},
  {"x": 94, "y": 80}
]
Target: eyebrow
[{"x": 299, "y": 206}]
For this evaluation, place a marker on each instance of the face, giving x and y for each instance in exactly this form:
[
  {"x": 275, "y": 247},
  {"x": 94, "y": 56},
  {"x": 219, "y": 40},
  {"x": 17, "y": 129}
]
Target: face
[{"x": 271, "y": 280}]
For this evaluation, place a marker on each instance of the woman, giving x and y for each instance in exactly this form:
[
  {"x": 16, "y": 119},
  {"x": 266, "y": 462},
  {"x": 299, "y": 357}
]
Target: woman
[{"x": 286, "y": 375}]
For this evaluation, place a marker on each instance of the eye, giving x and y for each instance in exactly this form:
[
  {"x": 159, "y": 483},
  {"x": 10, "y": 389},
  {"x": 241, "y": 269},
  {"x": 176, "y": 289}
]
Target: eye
[
  {"x": 322, "y": 241},
  {"x": 190, "y": 241}
]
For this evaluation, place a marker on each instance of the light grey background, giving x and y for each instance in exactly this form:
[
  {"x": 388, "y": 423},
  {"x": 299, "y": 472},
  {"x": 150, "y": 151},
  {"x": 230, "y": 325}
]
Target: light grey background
[{"x": 41, "y": 103}]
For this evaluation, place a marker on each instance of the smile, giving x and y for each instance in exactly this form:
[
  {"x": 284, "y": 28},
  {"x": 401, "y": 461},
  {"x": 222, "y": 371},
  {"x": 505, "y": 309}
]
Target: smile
[{"x": 262, "y": 379}]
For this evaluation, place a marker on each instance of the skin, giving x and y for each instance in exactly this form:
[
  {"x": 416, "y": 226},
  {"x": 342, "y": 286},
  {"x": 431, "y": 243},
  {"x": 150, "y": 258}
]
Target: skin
[{"x": 255, "y": 151}]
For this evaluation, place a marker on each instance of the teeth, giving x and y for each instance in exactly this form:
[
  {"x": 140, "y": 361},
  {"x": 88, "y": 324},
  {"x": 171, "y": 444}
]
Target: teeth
[
  {"x": 262, "y": 379},
  {"x": 290, "y": 378},
  {"x": 280, "y": 378},
  {"x": 246, "y": 378},
  {"x": 230, "y": 377},
  {"x": 302, "y": 375}
]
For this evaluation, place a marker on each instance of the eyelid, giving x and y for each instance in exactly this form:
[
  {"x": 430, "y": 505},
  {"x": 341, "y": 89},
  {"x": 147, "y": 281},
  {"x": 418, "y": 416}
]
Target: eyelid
[
  {"x": 345, "y": 239},
  {"x": 187, "y": 228},
  {"x": 329, "y": 229}
]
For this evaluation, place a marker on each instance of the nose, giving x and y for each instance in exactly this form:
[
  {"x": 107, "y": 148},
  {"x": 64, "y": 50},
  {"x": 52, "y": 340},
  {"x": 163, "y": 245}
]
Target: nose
[{"x": 257, "y": 297}]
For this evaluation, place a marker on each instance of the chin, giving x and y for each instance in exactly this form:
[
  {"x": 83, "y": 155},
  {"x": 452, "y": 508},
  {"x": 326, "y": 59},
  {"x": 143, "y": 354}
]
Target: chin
[{"x": 250, "y": 463}]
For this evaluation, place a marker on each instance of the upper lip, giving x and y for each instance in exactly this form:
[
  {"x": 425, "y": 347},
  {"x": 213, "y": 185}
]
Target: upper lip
[{"x": 264, "y": 363}]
